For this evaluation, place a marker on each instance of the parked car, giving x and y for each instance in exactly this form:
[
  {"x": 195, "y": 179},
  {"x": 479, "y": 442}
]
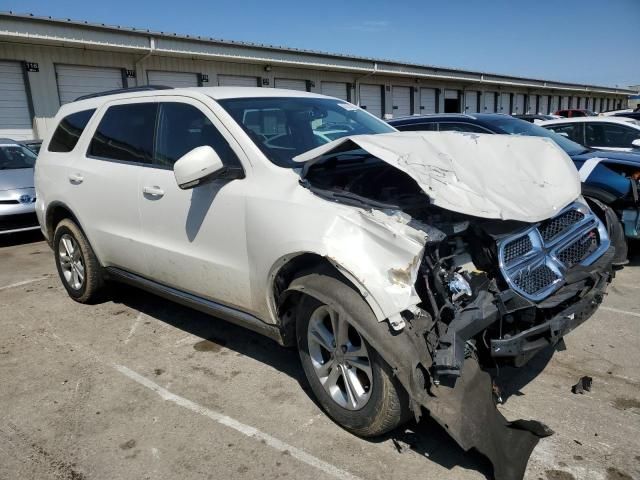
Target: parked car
[
  {"x": 396, "y": 263},
  {"x": 610, "y": 178},
  {"x": 609, "y": 113},
  {"x": 17, "y": 194},
  {"x": 536, "y": 117},
  {"x": 601, "y": 133},
  {"x": 33, "y": 145},
  {"x": 575, "y": 112},
  {"x": 635, "y": 115}
]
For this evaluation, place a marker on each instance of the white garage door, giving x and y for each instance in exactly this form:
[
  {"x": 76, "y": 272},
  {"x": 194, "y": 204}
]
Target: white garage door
[
  {"x": 291, "y": 84},
  {"x": 531, "y": 103},
  {"x": 489, "y": 102},
  {"x": 172, "y": 79},
  {"x": 371, "y": 99},
  {"x": 401, "y": 97},
  {"x": 505, "y": 100},
  {"x": 564, "y": 103},
  {"x": 518, "y": 103},
  {"x": 335, "y": 89},
  {"x": 427, "y": 100},
  {"x": 555, "y": 104},
  {"x": 470, "y": 101},
  {"x": 15, "y": 118},
  {"x": 74, "y": 81},
  {"x": 237, "y": 81},
  {"x": 543, "y": 104}
]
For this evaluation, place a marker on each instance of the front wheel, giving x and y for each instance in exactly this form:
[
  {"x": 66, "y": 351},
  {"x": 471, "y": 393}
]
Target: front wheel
[{"x": 352, "y": 383}]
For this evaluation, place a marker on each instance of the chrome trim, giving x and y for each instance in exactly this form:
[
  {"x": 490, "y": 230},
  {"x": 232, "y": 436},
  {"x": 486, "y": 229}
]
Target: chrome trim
[{"x": 547, "y": 252}]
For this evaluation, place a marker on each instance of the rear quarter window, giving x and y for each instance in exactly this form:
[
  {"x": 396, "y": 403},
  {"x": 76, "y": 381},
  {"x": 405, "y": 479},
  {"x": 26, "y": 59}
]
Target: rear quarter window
[{"x": 69, "y": 130}]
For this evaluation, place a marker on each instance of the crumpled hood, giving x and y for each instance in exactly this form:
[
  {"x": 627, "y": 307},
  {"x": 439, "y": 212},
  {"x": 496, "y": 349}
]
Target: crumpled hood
[
  {"x": 492, "y": 176},
  {"x": 15, "y": 179}
]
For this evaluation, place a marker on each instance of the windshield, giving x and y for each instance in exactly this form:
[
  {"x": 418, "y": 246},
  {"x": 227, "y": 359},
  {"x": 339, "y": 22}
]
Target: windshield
[
  {"x": 16, "y": 156},
  {"x": 284, "y": 127},
  {"x": 513, "y": 126}
]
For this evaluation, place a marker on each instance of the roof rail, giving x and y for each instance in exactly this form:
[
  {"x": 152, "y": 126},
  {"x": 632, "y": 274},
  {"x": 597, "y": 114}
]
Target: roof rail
[{"x": 144, "y": 88}]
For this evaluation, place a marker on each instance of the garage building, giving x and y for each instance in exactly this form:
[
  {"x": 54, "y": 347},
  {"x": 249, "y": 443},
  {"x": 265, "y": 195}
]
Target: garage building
[{"x": 45, "y": 63}]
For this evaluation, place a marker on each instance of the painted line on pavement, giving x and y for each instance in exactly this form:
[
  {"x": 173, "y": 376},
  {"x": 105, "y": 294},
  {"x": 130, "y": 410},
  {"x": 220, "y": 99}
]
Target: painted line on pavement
[
  {"x": 24, "y": 282},
  {"x": 617, "y": 310}
]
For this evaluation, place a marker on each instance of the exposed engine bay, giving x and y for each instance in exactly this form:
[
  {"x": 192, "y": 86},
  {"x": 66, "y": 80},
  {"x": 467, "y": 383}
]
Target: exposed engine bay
[{"x": 491, "y": 291}]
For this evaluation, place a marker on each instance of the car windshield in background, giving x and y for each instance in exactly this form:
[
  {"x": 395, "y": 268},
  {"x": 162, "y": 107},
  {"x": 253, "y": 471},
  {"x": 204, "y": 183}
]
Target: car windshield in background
[
  {"x": 513, "y": 126},
  {"x": 284, "y": 127},
  {"x": 16, "y": 156}
]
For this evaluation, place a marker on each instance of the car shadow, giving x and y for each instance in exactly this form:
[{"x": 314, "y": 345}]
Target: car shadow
[
  {"x": 20, "y": 238},
  {"x": 426, "y": 437}
]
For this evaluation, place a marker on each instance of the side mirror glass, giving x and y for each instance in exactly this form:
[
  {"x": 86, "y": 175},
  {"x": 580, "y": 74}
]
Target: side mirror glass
[
  {"x": 636, "y": 143},
  {"x": 202, "y": 165}
]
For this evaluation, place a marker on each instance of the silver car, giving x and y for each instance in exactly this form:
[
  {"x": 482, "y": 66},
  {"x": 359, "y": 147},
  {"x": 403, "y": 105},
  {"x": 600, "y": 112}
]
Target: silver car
[{"x": 17, "y": 194}]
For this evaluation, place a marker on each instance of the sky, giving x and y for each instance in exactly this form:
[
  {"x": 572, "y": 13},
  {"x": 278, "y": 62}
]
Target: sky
[{"x": 583, "y": 41}]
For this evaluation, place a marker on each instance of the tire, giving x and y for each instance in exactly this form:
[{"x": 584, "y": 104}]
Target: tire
[
  {"x": 77, "y": 265},
  {"x": 380, "y": 403}
]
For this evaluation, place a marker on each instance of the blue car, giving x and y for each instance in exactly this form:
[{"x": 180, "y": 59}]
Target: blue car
[{"x": 610, "y": 180}]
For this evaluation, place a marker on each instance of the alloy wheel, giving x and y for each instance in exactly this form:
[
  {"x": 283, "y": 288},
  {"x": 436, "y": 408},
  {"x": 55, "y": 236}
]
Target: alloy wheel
[{"x": 71, "y": 261}]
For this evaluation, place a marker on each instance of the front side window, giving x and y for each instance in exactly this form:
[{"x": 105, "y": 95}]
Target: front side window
[
  {"x": 181, "y": 128},
  {"x": 571, "y": 130},
  {"x": 125, "y": 133},
  {"x": 284, "y": 127},
  {"x": 68, "y": 133},
  {"x": 16, "y": 156},
  {"x": 460, "y": 127},
  {"x": 610, "y": 135}
]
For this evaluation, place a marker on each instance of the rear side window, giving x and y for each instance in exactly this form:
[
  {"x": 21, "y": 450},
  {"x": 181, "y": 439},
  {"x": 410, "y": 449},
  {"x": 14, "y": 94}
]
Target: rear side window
[
  {"x": 417, "y": 127},
  {"x": 461, "y": 127},
  {"x": 572, "y": 130},
  {"x": 125, "y": 133},
  {"x": 181, "y": 128},
  {"x": 69, "y": 130}
]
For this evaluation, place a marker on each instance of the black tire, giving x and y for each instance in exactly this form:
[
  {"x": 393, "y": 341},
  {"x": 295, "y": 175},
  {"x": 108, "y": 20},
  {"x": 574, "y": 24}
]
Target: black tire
[
  {"x": 387, "y": 406},
  {"x": 93, "y": 282}
]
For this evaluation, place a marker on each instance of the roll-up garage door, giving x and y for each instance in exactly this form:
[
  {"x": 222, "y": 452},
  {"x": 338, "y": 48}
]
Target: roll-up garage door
[
  {"x": 291, "y": 84},
  {"x": 237, "y": 81},
  {"x": 555, "y": 104},
  {"x": 489, "y": 102},
  {"x": 470, "y": 101},
  {"x": 335, "y": 89},
  {"x": 518, "y": 103},
  {"x": 172, "y": 79},
  {"x": 564, "y": 103},
  {"x": 74, "y": 81},
  {"x": 15, "y": 117},
  {"x": 371, "y": 99},
  {"x": 532, "y": 100},
  {"x": 427, "y": 100},
  {"x": 505, "y": 100},
  {"x": 401, "y": 97},
  {"x": 543, "y": 104}
]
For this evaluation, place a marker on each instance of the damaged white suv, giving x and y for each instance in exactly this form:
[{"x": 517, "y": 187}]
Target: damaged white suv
[{"x": 397, "y": 263}]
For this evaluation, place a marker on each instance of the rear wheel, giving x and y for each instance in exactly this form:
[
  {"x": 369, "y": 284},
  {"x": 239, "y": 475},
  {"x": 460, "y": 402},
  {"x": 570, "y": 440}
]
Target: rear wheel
[
  {"x": 353, "y": 384},
  {"x": 78, "y": 267}
]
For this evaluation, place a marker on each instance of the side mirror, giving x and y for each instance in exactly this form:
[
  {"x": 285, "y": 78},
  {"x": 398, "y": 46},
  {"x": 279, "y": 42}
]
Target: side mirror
[
  {"x": 202, "y": 165},
  {"x": 636, "y": 143}
]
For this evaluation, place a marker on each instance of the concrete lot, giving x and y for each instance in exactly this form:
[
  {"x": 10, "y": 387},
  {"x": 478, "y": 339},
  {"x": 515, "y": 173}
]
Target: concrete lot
[{"x": 137, "y": 387}]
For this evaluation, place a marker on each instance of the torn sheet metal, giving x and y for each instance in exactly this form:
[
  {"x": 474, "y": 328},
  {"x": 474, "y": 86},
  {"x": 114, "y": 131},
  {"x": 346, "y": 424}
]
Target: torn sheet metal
[
  {"x": 491, "y": 176},
  {"x": 379, "y": 249}
]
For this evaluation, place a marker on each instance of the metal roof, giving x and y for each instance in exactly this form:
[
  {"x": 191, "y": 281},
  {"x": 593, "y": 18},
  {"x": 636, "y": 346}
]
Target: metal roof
[{"x": 438, "y": 71}]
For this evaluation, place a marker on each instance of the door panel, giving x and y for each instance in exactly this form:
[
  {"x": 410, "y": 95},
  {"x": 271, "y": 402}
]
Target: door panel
[
  {"x": 518, "y": 104},
  {"x": 505, "y": 100},
  {"x": 470, "y": 101},
  {"x": 335, "y": 89},
  {"x": 172, "y": 79},
  {"x": 291, "y": 84},
  {"x": 543, "y": 104},
  {"x": 15, "y": 117},
  {"x": 427, "y": 100},
  {"x": 237, "y": 81},
  {"x": 371, "y": 99},
  {"x": 74, "y": 81},
  {"x": 401, "y": 97},
  {"x": 489, "y": 102}
]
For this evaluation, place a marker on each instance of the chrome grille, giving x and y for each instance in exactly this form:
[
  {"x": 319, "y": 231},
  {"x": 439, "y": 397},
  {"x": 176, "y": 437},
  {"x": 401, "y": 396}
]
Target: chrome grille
[{"x": 535, "y": 261}]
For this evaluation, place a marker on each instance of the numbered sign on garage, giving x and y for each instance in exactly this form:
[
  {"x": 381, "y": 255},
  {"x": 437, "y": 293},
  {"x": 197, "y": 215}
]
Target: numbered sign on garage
[
  {"x": 75, "y": 81},
  {"x": 371, "y": 99},
  {"x": 172, "y": 79},
  {"x": 15, "y": 117}
]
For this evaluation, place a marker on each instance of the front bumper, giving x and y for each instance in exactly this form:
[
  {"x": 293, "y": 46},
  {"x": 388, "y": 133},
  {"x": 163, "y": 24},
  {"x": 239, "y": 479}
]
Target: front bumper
[{"x": 522, "y": 346}]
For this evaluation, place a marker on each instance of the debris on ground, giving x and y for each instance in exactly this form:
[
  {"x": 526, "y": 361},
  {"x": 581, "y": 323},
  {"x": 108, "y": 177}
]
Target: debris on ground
[{"x": 583, "y": 385}]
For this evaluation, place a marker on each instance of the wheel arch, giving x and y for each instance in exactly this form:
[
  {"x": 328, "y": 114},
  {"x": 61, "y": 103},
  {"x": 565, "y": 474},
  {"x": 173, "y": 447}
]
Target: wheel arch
[{"x": 55, "y": 213}]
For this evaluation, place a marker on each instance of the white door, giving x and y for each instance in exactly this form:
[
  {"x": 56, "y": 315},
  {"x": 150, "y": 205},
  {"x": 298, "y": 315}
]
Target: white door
[
  {"x": 564, "y": 103},
  {"x": 531, "y": 103},
  {"x": 489, "y": 102},
  {"x": 371, "y": 99},
  {"x": 15, "y": 117},
  {"x": 335, "y": 89},
  {"x": 505, "y": 100},
  {"x": 172, "y": 79},
  {"x": 401, "y": 97},
  {"x": 75, "y": 81},
  {"x": 543, "y": 104},
  {"x": 195, "y": 240},
  {"x": 555, "y": 104},
  {"x": 291, "y": 84},
  {"x": 237, "y": 81},
  {"x": 427, "y": 100},
  {"x": 470, "y": 101},
  {"x": 518, "y": 104}
]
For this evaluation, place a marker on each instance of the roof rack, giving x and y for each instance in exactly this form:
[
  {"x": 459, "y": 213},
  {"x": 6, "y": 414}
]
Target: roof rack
[{"x": 144, "y": 88}]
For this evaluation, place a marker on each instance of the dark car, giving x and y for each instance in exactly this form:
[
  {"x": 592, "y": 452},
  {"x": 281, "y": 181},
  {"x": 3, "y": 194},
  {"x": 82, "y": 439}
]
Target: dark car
[
  {"x": 609, "y": 178},
  {"x": 575, "y": 112},
  {"x": 635, "y": 115},
  {"x": 532, "y": 117},
  {"x": 33, "y": 145}
]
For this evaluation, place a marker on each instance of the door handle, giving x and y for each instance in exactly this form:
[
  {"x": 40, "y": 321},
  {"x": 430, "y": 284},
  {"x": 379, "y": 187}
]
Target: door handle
[
  {"x": 76, "y": 178},
  {"x": 154, "y": 191}
]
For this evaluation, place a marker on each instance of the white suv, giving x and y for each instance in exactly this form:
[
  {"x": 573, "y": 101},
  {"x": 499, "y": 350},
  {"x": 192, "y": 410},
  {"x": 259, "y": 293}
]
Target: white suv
[{"x": 397, "y": 263}]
